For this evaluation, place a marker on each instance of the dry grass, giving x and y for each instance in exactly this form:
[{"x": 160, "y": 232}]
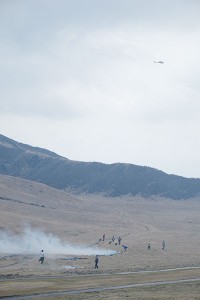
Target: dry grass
[
  {"x": 28, "y": 286},
  {"x": 83, "y": 220},
  {"x": 169, "y": 292}
]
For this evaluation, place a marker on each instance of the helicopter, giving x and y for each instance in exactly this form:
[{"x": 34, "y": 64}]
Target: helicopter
[{"x": 158, "y": 62}]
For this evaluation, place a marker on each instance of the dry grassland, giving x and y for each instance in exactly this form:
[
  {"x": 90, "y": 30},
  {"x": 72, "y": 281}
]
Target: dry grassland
[{"x": 82, "y": 220}]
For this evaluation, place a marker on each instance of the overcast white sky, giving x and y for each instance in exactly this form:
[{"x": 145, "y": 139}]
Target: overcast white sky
[{"x": 77, "y": 77}]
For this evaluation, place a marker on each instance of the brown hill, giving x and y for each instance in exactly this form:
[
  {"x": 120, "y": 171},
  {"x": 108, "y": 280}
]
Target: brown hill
[{"x": 36, "y": 164}]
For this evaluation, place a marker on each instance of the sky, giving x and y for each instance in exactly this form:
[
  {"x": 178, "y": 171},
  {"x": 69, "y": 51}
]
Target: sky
[{"x": 78, "y": 78}]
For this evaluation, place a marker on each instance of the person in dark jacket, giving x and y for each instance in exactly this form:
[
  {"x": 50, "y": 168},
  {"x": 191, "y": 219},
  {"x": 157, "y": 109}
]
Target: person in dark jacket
[
  {"x": 96, "y": 262},
  {"x": 163, "y": 245}
]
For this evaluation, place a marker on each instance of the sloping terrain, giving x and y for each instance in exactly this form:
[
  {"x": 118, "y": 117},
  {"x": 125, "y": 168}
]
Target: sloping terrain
[
  {"x": 83, "y": 220},
  {"x": 36, "y": 164},
  {"x": 26, "y": 203}
]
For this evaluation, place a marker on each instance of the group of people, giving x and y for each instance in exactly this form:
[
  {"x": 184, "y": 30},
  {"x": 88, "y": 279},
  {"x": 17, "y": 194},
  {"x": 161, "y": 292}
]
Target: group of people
[
  {"x": 119, "y": 239},
  {"x": 41, "y": 259},
  {"x": 163, "y": 245},
  {"x": 125, "y": 247}
]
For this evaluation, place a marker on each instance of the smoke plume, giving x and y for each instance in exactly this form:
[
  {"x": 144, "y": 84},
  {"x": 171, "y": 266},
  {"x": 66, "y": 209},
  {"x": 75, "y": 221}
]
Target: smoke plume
[{"x": 33, "y": 241}]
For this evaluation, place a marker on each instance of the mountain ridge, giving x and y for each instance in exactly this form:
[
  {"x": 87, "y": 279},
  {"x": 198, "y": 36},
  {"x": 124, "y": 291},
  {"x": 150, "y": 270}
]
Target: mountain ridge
[{"x": 117, "y": 179}]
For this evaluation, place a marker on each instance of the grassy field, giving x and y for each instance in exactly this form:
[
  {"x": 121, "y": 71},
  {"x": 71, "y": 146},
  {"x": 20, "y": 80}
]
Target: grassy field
[
  {"x": 79, "y": 222},
  {"x": 161, "y": 290},
  {"x": 189, "y": 291}
]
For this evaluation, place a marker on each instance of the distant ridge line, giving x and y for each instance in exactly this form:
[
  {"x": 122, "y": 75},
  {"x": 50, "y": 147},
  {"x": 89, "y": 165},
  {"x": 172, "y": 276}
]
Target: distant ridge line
[{"x": 117, "y": 179}]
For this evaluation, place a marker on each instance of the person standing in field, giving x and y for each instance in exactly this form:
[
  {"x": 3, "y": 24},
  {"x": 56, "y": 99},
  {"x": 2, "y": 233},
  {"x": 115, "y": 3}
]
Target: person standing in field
[
  {"x": 96, "y": 262},
  {"x": 125, "y": 247},
  {"x": 41, "y": 256},
  {"x": 163, "y": 245}
]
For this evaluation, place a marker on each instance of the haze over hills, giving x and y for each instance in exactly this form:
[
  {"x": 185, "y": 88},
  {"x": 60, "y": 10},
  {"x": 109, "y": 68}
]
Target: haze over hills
[{"x": 44, "y": 166}]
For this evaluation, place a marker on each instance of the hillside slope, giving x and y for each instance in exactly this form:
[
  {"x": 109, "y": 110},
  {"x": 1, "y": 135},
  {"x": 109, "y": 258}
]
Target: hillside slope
[{"x": 41, "y": 165}]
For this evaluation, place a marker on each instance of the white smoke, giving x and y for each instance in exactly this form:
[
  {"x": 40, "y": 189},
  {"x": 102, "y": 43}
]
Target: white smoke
[{"x": 34, "y": 241}]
